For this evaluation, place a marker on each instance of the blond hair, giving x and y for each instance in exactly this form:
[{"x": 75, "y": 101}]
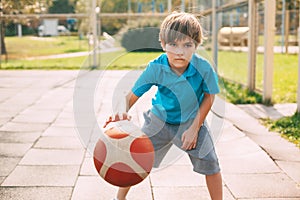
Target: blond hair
[{"x": 178, "y": 26}]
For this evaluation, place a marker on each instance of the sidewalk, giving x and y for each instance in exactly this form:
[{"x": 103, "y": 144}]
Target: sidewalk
[{"x": 42, "y": 156}]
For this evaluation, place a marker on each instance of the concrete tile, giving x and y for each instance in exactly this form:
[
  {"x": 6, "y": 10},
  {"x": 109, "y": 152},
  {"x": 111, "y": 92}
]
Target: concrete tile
[
  {"x": 19, "y": 137},
  {"x": 286, "y": 154},
  {"x": 7, "y": 165},
  {"x": 261, "y": 186},
  {"x": 7, "y": 93},
  {"x": 229, "y": 132},
  {"x": 52, "y": 157},
  {"x": 24, "y": 127},
  {"x": 60, "y": 131},
  {"x": 238, "y": 147},
  {"x": 271, "y": 139},
  {"x": 58, "y": 143},
  {"x": 296, "y": 198},
  {"x": 65, "y": 122},
  {"x": 291, "y": 169},
  {"x": 14, "y": 149},
  {"x": 273, "y": 112},
  {"x": 261, "y": 111},
  {"x": 67, "y": 113},
  {"x": 244, "y": 121},
  {"x": 256, "y": 162},
  {"x": 93, "y": 188},
  {"x": 227, "y": 193},
  {"x": 277, "y": 147},
  {"x": 35, "y": 193},
  {"x": 176, "y": 176},
  {"x": 2, "y": 178},
  {"x": 88, "y": 168},
  {"x": 179, "y": 193},
  {"x": 43, "y": 104},
  {"x": 286, "y": 109},
  {"x": 22, "y": 97},
  {"x": 143, "y": 189},
  {"x": 64, "y": 175},
  {"x": 9, "y": 111},
  {"x": 182, "y": 159},
  {"x": 36, "y": 117},
  {"x": 4, "y": 120}
]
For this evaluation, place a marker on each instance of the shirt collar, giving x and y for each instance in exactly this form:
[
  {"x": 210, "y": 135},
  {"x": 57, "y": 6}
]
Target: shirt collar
[{"x": 190, "y": 71}]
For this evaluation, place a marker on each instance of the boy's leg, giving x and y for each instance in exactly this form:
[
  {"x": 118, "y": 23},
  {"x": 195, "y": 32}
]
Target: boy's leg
[
  {"x": 122, "y": 192},
  {"x": 205, "y": 161},
  {"x": 214, "y": 185}
]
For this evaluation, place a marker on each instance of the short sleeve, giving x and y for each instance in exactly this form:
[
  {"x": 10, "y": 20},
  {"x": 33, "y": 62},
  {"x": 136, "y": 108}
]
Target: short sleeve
[
  {"x": 210, "y": 82},
  {"x": 145, "y": 81}
]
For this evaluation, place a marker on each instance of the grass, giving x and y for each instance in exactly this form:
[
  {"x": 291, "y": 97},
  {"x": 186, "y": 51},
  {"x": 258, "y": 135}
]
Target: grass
[
  {"x": 29, "y": 46},
  {"x": 289, "y": 127},
  {"x": 233, "y": 66},
  {"x": 132, "y": 60},
  {"x": 238, "y": 94},
  {"x": 51, "y": 64}
]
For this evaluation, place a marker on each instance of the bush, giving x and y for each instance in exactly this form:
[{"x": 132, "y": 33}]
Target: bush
[{"x": 142, "y": 40}]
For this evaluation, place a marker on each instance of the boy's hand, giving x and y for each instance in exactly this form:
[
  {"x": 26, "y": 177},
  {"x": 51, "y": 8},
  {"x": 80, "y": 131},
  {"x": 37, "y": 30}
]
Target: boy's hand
[
  {"x": 189, "y": 138},
  {"x": 117, "y": 117}
]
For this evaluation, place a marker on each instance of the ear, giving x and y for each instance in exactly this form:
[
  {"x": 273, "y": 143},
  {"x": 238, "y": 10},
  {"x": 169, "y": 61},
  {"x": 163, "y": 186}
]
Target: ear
[{"x": 163, "y": 45}]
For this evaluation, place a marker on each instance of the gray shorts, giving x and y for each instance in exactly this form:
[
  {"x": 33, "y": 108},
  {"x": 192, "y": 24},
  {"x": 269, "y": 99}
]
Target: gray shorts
[{"x": 164, "y": 135}]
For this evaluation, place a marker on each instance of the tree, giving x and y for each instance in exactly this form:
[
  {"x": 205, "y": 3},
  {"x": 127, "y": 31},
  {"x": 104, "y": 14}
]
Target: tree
[
  {"x": 16, "y": 7},
  {"x": 19, "y": 7},
  {"x": 62, "y": 6}
]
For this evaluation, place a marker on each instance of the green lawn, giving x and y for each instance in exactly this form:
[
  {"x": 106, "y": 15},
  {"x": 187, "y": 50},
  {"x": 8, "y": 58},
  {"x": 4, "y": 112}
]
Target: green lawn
[
  {"x": 233, "y": 66},
  {"x": 30, "y": 46}
]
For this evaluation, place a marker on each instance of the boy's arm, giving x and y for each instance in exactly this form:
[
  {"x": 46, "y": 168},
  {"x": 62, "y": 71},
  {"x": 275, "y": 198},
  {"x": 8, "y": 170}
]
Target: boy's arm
[
  {"x": 190, "y": 136},
  {"x": 130, "y": 100},
  {"x": 204, "y": 109}
]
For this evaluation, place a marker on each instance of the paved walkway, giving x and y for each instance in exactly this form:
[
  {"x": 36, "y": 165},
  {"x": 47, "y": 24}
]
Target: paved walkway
[{"x": 42, "y": 157}]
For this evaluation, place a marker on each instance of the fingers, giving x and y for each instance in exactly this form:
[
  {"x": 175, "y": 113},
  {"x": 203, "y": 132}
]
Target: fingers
[
  {"x": 121, "y": 116},
  {"x": 117, "y": 117},
  {"x": 186, "y": 144}
]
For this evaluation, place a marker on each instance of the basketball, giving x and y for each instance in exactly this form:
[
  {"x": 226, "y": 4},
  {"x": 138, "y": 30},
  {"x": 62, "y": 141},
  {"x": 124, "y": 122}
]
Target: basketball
[{"x": 124, "y": 155}]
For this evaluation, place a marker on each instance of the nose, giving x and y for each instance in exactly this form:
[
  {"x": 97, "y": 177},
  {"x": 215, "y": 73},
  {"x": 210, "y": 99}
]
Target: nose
[{"x": 179, "y": 51}]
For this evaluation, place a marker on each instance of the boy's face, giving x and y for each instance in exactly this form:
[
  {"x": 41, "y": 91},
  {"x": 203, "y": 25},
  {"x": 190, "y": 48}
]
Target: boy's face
[{"x": 180, "y": 53}]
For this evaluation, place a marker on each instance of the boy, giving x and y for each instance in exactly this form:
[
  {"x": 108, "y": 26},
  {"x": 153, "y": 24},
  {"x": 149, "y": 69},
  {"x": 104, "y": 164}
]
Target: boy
[{"x": 186, "y": 87}]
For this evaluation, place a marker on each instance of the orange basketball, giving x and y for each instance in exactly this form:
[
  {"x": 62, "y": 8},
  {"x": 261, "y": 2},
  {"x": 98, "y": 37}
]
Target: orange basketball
[{"x": 124, "y": 156}]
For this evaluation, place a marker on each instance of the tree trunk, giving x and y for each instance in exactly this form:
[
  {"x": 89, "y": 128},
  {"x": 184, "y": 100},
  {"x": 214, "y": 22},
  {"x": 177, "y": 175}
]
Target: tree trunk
[{"x": 3, "y": 46}]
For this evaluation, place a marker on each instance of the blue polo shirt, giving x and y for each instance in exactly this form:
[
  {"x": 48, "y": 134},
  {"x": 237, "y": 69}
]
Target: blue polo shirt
[{"x": 177, "y": 98}]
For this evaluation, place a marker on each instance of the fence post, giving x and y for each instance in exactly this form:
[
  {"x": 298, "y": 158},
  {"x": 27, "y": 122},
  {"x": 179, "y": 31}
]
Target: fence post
[
  {"x": 1, "y": 13},
  {"x": 269, "y": 32},
  {"x": 215, "y": 33},
  {"x": 298, "y": 94},
  {"x": 252, "y": 44},
  {"x": 95, "y": 35}
]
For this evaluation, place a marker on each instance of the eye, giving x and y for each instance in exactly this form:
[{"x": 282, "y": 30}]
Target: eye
[
  {"x": 172, "y": 44},
  {"x": 188, "y": 45}
]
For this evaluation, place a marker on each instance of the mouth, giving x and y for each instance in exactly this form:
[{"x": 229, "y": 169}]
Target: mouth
[{"x": 179, "y": 59}]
